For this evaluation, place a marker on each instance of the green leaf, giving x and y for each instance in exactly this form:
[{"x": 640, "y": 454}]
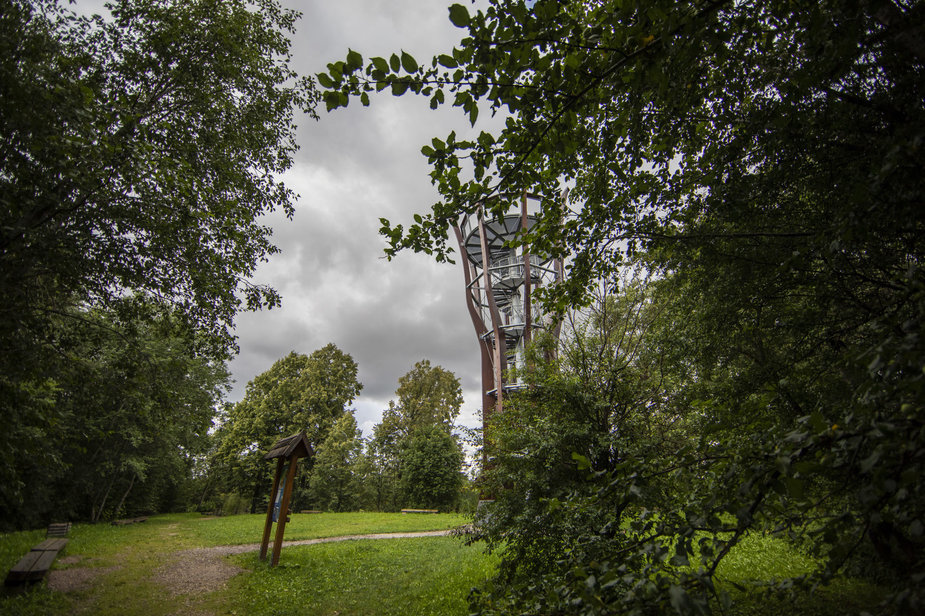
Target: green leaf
[
  {"x": 794, "y": 487},
  {"x": 459, "y": 15},
  {"x": 583, "y": 462},
  {"x": 447, "y": 61},
  {"x": 380, "y": 64},
  {"x": 408, "y": 62},
  {"x": 680, "y": 600},
  {"x": 473, "y": 113},
  {"x": 331, "y": 99},
  {"x": 354, "y": 60},
  {"x": 395, "y": 62},
  {"x": 870, "y": 461},
  {"x": 325, "y": 81}
]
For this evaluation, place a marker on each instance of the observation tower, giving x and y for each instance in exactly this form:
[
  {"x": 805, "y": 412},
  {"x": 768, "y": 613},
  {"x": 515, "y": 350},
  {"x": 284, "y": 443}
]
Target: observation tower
[{"x": 500, "y": 281}]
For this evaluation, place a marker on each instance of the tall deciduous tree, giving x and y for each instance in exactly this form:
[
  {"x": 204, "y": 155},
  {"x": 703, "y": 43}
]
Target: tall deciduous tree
[
  {"x": 428, "y": 396},
  {"x": 297, "y": 393},
  {"x": 138, "y": 153},
  {"x": 765, "y": 159},
  {"x": 431, "y": 469},
  {"x": 334, "y": 483}
]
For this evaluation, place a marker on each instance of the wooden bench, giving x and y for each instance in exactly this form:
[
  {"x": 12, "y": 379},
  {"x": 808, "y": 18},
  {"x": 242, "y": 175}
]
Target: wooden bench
[
  {"x": 419, "y": 510},
  {"x": 33, "y": 566},
  {"x": 310, "y": 511},
  {"x": 59, "y": 529}
]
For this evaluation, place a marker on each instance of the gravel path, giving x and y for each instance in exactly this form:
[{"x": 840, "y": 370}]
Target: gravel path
[{"x": 224, "y": 550}]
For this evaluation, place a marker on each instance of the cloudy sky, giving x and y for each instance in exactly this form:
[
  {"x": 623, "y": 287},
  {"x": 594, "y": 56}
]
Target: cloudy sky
[{"x": 355, "y": 166}]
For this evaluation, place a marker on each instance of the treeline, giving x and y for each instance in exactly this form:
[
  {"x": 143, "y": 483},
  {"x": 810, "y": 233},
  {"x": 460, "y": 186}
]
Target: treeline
[
  {"x": 116, "y": 422},
  {"x": 140, "y": 426},
  {"x": 413, "y": 459}
]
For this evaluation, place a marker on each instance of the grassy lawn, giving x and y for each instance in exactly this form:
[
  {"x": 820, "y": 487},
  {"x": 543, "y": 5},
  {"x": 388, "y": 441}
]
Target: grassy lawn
[
  {"x": 427, "y": 576},
  {"x": 759, "y": 560},
  {"x": 127, "y": 559},
  {"x": 249, "y": 528}
]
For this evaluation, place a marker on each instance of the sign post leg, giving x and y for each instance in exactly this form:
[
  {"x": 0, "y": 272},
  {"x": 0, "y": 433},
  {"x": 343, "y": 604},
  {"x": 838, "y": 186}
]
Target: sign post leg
[
  {"x": 283, "y": 511},
  {"x": 265, "y": 542}
]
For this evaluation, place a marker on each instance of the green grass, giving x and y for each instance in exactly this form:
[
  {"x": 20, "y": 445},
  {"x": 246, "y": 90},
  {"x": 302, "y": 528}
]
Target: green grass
[
  {"x": 128, "y": 556},
  {"x": 430, "y": 576},
  {"x": 158, "y": 533},
  {"x": 396, "y": 576},
  {"x": 762, "y": 557},
  {"x": 758, "y": 561}
]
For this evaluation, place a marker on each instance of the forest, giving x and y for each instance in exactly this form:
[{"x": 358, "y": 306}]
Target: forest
[{"x": 741, "y": 354}]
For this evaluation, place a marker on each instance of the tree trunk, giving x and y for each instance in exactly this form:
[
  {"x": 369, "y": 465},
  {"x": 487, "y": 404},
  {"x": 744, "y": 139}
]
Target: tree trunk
[
  {"x": 96, "y": 513},
  {"x": 202, "y": 498},
  {"x": 130, "y": 484}
]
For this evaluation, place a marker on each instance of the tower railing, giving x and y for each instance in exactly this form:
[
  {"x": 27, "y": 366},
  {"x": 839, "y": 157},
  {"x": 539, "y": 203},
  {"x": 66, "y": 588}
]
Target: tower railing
[{"x": 501, "y": 287}]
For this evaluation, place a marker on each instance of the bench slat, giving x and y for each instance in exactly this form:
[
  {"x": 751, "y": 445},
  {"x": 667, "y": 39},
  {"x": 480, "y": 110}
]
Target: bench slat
[
  {"x": 27, "y": 563},
  {"x": 58, "y": 529},
  {"x": 43, "y": 564},
  {"x": 33, "y": 566},
  {"x": 51, "y": 544}
]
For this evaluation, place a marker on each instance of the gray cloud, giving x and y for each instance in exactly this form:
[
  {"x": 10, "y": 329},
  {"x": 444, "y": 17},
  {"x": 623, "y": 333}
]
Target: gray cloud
[{"x": 356, "y": 165}]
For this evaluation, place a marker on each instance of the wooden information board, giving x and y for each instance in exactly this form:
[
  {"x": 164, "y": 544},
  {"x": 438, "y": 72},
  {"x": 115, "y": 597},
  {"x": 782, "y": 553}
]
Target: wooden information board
[{"x": 286, "y": 452}]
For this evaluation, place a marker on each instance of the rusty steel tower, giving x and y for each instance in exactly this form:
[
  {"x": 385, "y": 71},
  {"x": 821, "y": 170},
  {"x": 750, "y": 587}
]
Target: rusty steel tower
[{"x": 500, "y": 281}]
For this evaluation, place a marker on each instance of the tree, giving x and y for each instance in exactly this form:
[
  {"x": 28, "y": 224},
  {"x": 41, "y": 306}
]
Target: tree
[
  {"x": 140, "y": 151},
  {"x": 606, "y": 403},
  {"x": 334, "y": 484},
  {"x": 431, "y": 463},
  {"x": 382, "y": 462},
  {"x": 763, "y": 160},
  {"x": 427, "y": 396},
  {"x": 297, "y": 393}
]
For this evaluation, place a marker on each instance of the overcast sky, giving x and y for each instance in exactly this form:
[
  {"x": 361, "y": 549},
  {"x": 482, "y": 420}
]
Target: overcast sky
[{"x": 355, "y": 166}]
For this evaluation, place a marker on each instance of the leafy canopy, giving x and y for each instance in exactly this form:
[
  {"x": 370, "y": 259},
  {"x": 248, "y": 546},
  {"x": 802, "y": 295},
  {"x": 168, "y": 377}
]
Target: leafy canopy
[
  {"x": 762, "y": 160},
  {"x": 429, "y": 399},
  {"x": 139, "y": 152},
  {"x": 309, "y": 393}
]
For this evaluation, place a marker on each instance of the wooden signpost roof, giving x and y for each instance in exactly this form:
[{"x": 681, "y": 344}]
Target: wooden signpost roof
[{"x": 296, "y": 445}]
